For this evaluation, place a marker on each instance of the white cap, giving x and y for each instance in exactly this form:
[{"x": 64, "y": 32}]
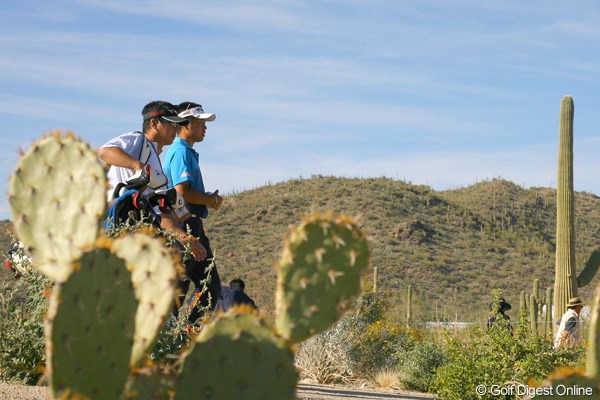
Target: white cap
[{"x": 197, "y": 112}]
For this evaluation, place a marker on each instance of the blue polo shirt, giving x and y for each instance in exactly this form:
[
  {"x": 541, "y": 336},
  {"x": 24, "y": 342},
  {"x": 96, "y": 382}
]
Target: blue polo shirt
[{"x": 181, "y": 165}]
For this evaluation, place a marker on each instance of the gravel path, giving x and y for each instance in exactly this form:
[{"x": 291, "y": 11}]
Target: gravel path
[{"x": 305, "y": 392}]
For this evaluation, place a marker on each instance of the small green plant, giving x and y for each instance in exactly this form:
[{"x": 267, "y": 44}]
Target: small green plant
[
  {"x": 496, "y": 357},
  {"x": 417, "y": 365},
  {"x": 23, "y": 304}
]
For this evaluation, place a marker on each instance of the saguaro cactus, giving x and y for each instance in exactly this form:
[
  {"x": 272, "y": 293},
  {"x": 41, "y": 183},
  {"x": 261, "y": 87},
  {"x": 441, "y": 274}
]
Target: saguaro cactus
[
  {"x": 566, "y": 282},
  {"x": 409, "y": 296},
  {"x": 548, "y": 325},
  {"x": 533, "y": 314}
]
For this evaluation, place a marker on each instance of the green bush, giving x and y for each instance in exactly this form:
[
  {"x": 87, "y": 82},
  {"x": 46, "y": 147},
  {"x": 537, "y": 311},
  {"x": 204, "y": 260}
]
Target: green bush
[
  {"x": 23, "y": 304},
  {"x": 496, "y": 357},
  {"x": 417, "y": 365},
  {"x": 374, "y": 339}
]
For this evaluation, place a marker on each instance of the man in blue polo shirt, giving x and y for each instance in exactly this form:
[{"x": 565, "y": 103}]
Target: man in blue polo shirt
[{"x": 183, "y": 172}]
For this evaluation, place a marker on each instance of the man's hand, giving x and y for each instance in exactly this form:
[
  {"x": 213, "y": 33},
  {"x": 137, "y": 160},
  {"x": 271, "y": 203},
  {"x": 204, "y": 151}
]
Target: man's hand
[
  {"x": 198, "y": 251},
  {"x": 218, "y": 201}
]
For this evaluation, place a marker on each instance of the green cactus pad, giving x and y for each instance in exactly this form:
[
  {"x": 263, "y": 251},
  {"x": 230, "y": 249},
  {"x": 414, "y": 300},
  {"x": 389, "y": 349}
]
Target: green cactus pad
[
  {"x": 154, "y": 280},
  {"x": 57, "y": 195},
  {"x": 569, "y": 384},
  {"x": 319, "y": 274},
  {"x": 151, "y": 383},
  {"x": 89, "y": 328},
  {"x": 237, "y": 357}
]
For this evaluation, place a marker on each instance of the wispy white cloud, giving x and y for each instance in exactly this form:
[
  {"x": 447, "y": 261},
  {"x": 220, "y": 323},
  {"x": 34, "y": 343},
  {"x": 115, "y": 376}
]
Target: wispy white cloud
[{"x": 443, "y": 92}]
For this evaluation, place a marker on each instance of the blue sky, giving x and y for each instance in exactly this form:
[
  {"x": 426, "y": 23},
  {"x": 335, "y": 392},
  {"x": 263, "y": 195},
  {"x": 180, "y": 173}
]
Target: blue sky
[{"x": 443, "y": 93}]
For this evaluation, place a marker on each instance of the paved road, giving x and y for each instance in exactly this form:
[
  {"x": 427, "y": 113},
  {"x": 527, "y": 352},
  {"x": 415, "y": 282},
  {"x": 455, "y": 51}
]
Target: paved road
[
  {"x": 305, "y": 392},
  {"x": 320, "y": 392}
]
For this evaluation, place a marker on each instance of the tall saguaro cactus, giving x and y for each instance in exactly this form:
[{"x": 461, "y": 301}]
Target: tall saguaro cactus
[{"x": 566, "y": 281}]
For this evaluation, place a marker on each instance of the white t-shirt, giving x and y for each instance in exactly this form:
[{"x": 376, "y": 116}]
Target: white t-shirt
[{"x": 134, "y": 144}]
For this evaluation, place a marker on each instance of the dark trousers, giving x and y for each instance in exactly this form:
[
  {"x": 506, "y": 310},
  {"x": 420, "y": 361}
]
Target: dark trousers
[{"x": 199, "y": 271}]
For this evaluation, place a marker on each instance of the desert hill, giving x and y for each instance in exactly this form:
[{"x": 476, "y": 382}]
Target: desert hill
[{"x": 453, "y": 246}]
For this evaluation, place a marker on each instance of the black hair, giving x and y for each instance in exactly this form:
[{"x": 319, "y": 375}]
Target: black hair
[
  {"x": 186, "y": 105},
  {"x": 237, "y": 283},
  {"x": 153, "y": 106}
]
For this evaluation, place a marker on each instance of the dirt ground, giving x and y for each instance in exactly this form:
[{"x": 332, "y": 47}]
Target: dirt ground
[{"x": 305, "y": 392}]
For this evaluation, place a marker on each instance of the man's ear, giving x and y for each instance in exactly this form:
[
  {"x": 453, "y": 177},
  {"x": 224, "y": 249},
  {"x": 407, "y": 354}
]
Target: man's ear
[{"x": 154, "y": 123}]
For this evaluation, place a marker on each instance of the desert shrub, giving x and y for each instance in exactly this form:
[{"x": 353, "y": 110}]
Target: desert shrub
[
  {"x": 375, "y": 346},
  {"x": 496, "y": 357},
  {"x": 23, "y": 304},
  {"x": 417, "y": 365},
  {"x": 387, "y": 378},
  {"x": 362, "y": 343},
  {"x": 325, "y": 356}
]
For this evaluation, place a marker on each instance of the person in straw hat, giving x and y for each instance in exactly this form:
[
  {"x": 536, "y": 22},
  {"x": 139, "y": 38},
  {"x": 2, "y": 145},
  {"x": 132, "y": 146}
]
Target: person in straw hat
[{"x": 568, "y": 333}]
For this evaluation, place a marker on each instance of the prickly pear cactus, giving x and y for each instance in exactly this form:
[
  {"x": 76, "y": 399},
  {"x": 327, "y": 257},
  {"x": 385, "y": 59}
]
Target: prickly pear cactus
[
  {"x": 56, "y": 198},
  {"x": 151, "y": 383},
  {"x": 237, "y": 357},
  {"x": 319, "y": 274},
  {"x": 154, "y": 279},
  {"x": 90, "y": 327}
]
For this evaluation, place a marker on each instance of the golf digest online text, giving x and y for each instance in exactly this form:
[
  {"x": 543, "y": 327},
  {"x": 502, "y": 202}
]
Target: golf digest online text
[{"x": 524, "y": 390}]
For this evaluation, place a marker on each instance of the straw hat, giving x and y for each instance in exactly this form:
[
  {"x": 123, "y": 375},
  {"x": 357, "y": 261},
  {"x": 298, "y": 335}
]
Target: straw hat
[{"x": 574, "y": 302}]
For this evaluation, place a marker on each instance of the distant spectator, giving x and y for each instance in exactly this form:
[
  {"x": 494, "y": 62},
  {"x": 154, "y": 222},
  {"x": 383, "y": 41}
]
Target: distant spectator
[
  {"x": 234, "y": 295},
  {"x": 498, "y": 312},
  {"x": 569, "y": 334}
]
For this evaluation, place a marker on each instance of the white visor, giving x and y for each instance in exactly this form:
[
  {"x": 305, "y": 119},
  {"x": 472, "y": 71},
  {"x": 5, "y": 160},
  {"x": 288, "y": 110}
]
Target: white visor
[{"x": 197, "y": 112}]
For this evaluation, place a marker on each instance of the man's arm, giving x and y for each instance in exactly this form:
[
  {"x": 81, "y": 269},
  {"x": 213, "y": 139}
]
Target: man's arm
[
  {"x": 167, "y": 222},
  {"x": 117, "y": 157},
  {"x": 195, "y": 197}
]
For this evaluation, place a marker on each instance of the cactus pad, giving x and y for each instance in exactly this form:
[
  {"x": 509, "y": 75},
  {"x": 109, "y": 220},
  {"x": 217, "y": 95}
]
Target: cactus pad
[
  {"x": 154, "y": 275},
  {"x": 90, "y": 327},
  {"x": 237, "y": 357},
  {"x": 568, "y": 379},
  {"x": 319, "y": 274},
  {"x": 57, "y": 197},
  {"x": 151, "y": 382}
]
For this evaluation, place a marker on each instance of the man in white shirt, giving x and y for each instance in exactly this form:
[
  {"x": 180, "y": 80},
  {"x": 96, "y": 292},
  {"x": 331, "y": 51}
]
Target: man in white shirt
[
  {"x": 569, "y": 334},
  {"x": 131, "y": 152}
]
